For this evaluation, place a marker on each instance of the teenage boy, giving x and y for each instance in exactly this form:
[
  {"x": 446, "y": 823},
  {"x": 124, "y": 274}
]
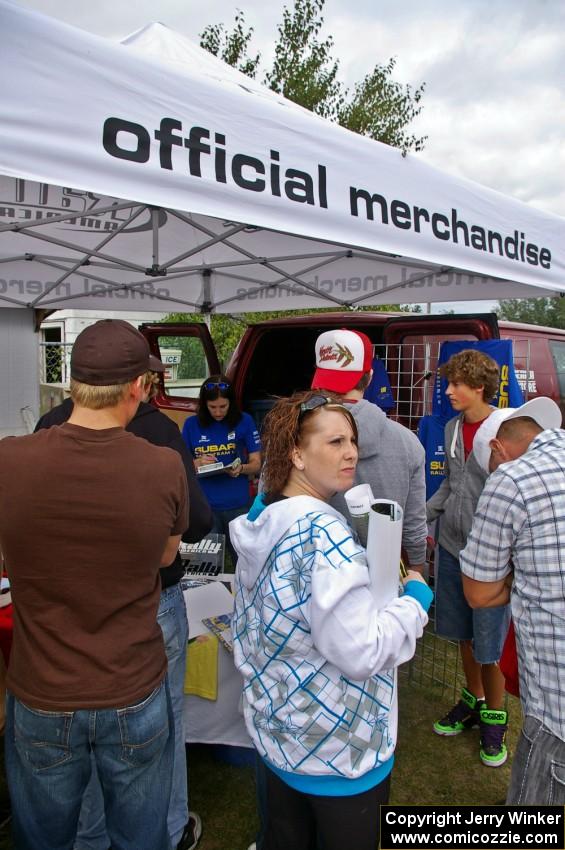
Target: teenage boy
[{"x": 472, "y": 383}]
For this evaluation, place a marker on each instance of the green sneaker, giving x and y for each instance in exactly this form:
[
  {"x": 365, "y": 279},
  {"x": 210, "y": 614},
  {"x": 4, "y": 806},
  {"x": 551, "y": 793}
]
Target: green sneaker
[
  {"x": 494, "y": 723},
  {"x": 464, "y": 715}
]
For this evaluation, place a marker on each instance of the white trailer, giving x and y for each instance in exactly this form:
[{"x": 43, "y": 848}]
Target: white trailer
[
  {"x": 57, "y": 334},
  {"x": 19, "y": 354}
]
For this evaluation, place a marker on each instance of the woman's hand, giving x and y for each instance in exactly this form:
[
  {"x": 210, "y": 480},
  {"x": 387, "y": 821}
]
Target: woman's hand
[
  {"x": 413, "y": 575},
  {"x": 236, "y": 469},
  {"x": 204, "y": 460}
]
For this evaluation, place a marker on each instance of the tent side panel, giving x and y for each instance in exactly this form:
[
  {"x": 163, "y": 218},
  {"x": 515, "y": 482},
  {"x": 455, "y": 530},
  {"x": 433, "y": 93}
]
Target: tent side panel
[{"x": 20, "y": 360}]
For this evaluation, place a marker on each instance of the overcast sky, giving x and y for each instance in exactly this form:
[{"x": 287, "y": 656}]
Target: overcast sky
[{"x": 495, "y": 81}]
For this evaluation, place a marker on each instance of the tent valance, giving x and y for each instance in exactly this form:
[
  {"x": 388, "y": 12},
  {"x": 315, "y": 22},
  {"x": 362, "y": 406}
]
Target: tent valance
[{"x": 194, "y": 188}]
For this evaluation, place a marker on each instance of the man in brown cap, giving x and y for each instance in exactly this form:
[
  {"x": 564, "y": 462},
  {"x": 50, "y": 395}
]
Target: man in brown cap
[{"x": 83, "y": 544}]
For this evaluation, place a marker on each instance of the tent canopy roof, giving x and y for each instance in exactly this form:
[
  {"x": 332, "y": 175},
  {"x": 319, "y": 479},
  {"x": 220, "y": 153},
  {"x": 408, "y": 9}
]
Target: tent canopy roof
[{"x": 238, "y": 199}]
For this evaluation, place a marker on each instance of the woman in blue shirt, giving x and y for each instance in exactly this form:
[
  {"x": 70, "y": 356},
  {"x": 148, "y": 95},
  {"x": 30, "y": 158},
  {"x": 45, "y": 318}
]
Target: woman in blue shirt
[{"x": 221, "y": 432}]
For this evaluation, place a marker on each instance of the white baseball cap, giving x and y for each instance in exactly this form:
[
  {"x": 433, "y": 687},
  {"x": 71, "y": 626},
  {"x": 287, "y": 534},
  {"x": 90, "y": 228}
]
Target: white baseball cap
[{"x": 542, "y": 410}]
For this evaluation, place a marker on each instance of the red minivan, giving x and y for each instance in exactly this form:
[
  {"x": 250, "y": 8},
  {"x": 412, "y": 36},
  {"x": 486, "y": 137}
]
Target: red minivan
[{"x": 276, "y": 357}]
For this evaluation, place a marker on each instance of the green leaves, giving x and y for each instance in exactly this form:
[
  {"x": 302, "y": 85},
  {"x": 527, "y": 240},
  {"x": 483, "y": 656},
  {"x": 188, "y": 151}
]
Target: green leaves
[
  {"x": 381, "y": 109},
  {"x": 305, "y": 71},
  {"x": 534, "y": 311},
  {"x": 232, "y": 47}
]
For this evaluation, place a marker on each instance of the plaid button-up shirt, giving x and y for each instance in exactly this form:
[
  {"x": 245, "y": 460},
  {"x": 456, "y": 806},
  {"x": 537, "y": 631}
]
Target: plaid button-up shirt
[{"x": 520, "y": 524}]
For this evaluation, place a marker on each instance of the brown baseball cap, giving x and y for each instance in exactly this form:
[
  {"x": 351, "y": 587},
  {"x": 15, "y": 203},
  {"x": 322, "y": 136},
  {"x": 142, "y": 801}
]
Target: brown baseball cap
[{"x": 110, "y": 352}]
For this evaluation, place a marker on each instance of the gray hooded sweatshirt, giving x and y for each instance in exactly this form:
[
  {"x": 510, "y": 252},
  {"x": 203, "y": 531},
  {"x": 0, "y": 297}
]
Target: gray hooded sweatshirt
[
  {"x": 456, "y": 499},
  {"x": 392, "y": 461}
]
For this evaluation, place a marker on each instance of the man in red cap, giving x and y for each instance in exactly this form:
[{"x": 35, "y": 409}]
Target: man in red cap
[
  {"x": 391, "y": 458},
  {"x": 83, "y": 544}
]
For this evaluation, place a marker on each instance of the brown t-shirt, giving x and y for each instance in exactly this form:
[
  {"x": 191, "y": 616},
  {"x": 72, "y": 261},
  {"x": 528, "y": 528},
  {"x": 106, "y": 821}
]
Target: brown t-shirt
[{"x": 84, "y": 519}]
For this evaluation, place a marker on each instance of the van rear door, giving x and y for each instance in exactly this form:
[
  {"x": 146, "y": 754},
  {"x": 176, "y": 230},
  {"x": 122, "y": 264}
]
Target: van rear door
[
  {"x": 412, "y": 346},
  {"x": 189, "y": 353}
]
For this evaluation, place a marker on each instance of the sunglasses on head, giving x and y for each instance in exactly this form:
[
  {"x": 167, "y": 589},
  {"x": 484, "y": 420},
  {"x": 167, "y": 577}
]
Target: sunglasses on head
[
  {"x": 314, "y": 403},
  {"x": 213, "y": 385}
]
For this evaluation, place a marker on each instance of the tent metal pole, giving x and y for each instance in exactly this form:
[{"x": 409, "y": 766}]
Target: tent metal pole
[{"x": 155, "y": 228}]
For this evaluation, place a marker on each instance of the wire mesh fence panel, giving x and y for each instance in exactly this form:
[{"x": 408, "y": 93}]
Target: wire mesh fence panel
[
  {"x": 436, "y": 662},
  {"x": 55, "y": 359},
  {"x": 412, "y": 372},
  {"x": 411, "y": 368}
]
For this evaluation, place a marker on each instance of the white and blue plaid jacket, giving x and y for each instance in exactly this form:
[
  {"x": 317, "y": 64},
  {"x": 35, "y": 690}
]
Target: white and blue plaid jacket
[{"x": 318, "y": 659}]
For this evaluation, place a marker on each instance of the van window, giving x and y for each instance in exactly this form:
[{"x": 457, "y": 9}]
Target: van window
[
  {"x": 558, "y": 353},
  {"x": 186, "y": 364}
]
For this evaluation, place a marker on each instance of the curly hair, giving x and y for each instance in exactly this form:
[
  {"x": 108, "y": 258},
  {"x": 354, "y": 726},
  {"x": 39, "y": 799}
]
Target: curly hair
[
  {"x": 475, "y": 369},
  {"x": 287, "y": 426},
  {"x": 151, "y": 382}
]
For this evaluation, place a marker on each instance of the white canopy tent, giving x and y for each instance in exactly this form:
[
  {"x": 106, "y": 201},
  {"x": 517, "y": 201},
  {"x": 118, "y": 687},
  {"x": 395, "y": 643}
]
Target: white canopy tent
[{"x": 196, "y": 189}]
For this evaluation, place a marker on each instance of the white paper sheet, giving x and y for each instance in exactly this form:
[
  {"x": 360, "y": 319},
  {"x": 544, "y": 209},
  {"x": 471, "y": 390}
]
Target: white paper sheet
[
  {"x": 383, "y": 550},
  {"x": 378, "y": 523},
  {"x": 208, "y": 600},
  {"x": 359, "y": 500}
]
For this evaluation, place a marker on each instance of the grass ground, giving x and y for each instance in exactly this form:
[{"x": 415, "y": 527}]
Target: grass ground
[{"x": 428, "y": 770}]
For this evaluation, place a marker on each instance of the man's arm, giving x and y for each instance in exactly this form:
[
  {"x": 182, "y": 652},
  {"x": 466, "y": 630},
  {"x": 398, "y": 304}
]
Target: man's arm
[
  {"x": 487, "y": 557},
  {"x": 486, "y": 594},
  {"x": 170, "y": 550},
  {"x": 415, "y": 528},
  {"x": 435, "y": 504}
]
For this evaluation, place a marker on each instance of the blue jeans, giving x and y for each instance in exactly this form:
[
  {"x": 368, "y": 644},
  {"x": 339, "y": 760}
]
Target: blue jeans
[
  {"x": 48, "y": 767},
  {"x": 538, "y": 769},
  {"x": 456, "y": 620},
  {"x": 92, "y": 833}
]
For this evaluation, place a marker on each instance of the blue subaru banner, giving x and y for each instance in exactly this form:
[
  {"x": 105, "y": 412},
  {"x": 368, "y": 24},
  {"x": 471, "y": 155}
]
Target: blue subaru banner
[
  {"x": 430, "y": 431},
  {"x": 431, "y": 428},
  {"x": 509, "y": 391}
]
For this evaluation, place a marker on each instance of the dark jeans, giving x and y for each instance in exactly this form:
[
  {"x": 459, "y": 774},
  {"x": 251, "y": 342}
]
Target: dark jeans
[
  {"x": 305, "y": 821},
  {"x": 221, "y": 524}
]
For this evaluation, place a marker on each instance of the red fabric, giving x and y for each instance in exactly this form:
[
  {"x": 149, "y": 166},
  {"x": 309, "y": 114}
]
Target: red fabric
[
  {"x": 509, "y": 663},
  {"x": 469, "y": 430},
  {"x": 6, "y": 630}
]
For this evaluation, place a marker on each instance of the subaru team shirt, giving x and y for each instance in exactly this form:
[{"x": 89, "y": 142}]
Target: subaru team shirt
[{"x": 222, "y": 491}]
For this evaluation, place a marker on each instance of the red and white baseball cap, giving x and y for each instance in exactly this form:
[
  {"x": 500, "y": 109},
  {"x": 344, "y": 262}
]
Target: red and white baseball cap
[{"x": 342, "y": 358}]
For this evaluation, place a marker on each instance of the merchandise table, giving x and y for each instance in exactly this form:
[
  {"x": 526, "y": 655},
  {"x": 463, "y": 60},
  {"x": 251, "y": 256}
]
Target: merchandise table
[{"x": 218, "y": 721}]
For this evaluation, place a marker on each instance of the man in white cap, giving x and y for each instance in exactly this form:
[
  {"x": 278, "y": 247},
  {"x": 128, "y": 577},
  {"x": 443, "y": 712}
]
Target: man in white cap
[
  {"x": 391, "y": 458},
  {"x": 516, "y": 551}
]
